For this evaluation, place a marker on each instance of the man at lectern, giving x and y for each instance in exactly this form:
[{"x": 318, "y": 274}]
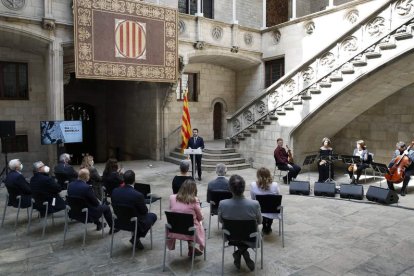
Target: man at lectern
[{"x": 196, "y": 142}]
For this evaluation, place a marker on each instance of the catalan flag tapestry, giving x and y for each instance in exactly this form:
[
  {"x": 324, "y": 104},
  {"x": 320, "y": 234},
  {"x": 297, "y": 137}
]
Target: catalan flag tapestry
[{"x": 185, "y": 124}]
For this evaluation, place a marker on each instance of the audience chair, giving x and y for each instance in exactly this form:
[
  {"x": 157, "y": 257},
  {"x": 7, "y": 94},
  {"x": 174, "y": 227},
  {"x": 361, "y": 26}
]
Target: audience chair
[
  {"x": 280, "y": 173},
  {"x": 19, "y": 206},
  {"x": 62, "y": 180},
  {"x": 124, "y": 219},
  {"x": 180, "y": 223},
  {"x": 77, "y": 209},
  {"x": 215, "y": 198},
  {"x": 241, "y": 230},
  {"x": 273, "y": 204},
  {"x": 150, "y": 198}
]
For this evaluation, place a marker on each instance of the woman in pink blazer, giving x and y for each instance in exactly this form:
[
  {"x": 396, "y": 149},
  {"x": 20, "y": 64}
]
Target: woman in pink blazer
[{"x": 186, "y": 201}]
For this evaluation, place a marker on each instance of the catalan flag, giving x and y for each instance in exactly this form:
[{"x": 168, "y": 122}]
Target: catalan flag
[{"x": 185, "y": 124}]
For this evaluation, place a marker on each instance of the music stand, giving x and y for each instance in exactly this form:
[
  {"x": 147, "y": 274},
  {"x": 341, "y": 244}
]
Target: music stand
[
  {"x": 329, "y": 159},
  {"x": 382, "y": 169},
  {"x": 308, "y": 162},
  {"x": 351, "y": 159}
]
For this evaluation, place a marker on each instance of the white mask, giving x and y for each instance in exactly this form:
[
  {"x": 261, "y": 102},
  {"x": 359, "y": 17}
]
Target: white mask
[
  {"x": 92, "y": 162},
  {"x": 46, "y": 169},
  {"x": 21, "y": 167}
]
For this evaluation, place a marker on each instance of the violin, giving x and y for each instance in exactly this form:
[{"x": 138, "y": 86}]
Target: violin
[
  {"x": 396, "y": 173},
  {"x": 290, "y": 156}
]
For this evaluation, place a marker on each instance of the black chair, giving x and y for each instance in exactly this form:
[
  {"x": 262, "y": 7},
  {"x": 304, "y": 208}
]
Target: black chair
[
  {"x": 62, "y": 180},
  {"x": 124, "y": 218},
  {"x": 241, "y": 230},
  {"x": 180, "y": 223},
  {"x": 19, "y": 206},
  {"x": 77, "y": 209},
  {"x": 272, "y": 204},
  {"x": 150, "y": 198},
  {"x": 215, "y": 198}
]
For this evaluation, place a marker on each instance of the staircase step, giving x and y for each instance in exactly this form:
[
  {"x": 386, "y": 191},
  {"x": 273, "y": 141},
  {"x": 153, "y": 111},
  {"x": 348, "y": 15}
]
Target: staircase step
[
  {"x": 359, "y": 63},
  {"x": 402, "y": 36},
  {"x": 246, "y": 134},
  {"x": 280, "y": 112},
  {"x": 387, "y": 45},
  {"x": 253, "y": 130},
  {"x": 273, "y": 117},
  {"x": 289, "y": 106},
  {"x": 314, "y": 91},
  {"x": 347, "y": 71},
  {"x": 266, "y": 122},
  {"x": 214, "y": 162},
  {"x": 325, "y": 84},
  {"x": 336, "y": 78},
  {"x": 221, "y": 155},
  {"x": 297, "y": 102},
  {"x": 234, "y": 167},
  {"x": 259, "y": 126},
  {"x": 219, "y": 151}
]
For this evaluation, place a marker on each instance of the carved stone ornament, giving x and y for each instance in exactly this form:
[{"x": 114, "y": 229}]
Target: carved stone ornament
[
  {"x": 234, "y": 49},
  {"x": 290, "y": 86},
  {"x": 181, "y": 27},
  {"x": 199, "y": 45},
  {"x": 376, "y": 27},
  {"x": 261, "y": 108},
  {"x": 349, "y": 44},
  {"x": 14, "y": 4},
  {"x": 308, "y": 74},
  {"x": 48, "y": 24},
  {"x": 328, "y": 60},
  {"x": 352, "y": 16},
  {"x": 248, "y": 117},
  {"x": 236, "y": 126},
  {"x": 274, "y": 98},
  {"x": 217, "y": 32},
  {"x": 310, "y": 27},
  {"x": 404, "y": 7},
  {"x": 248, "y": 39},
  {"x": 276, "y": 35}
]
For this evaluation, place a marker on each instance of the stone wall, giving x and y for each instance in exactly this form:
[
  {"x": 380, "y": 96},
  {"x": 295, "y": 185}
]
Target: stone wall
[
  {"x": 250, "y": 83},
  {"x": 248, "y": 13}
]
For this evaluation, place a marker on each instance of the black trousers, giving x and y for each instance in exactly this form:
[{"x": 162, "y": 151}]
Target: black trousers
[
  {"x": 360, "y": 168},
  {"x": 106, "y": 211},
  {"x": 407, "y": 176},
  {"x": 267, "y": 223},
  {"x": 198, "y": 163},
  {"x": 293, "y": 171}
]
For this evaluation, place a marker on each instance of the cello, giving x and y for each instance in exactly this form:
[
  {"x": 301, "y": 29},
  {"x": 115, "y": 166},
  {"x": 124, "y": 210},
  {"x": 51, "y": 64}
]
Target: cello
[{"x": 396, "y": 173}]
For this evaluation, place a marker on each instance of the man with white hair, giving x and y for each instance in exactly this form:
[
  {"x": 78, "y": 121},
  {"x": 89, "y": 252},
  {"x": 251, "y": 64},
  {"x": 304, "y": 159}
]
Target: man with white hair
[
  {"x": 220, "y": 183},
  {"x": 64, "y": 172},
  {"x": 45, "y": 188},
  {"x": 17, "y": 185}
]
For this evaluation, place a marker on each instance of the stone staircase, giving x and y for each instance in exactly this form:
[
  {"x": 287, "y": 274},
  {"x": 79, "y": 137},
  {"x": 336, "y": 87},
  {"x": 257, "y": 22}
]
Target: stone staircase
[{"x": 211, "y": 157}]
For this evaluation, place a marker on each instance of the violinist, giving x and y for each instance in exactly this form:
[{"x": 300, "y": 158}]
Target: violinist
[
  {"x": 401, "y": 148},
  {"x": 362, "y": 152},
  {"x": 284, "y": 161}
]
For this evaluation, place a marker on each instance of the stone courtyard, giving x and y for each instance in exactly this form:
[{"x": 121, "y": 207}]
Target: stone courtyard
[{"x": 323, "y": 236}]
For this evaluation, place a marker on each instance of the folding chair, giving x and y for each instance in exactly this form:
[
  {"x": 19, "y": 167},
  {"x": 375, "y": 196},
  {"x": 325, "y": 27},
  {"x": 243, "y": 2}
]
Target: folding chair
[
  {"x": 145, "y": 189},
  {"x": 215, "y": 198},
  {"x": 280, "y": 173},
  {"x": 272, "y": 204},
  {"x": 19, "y": 206}
]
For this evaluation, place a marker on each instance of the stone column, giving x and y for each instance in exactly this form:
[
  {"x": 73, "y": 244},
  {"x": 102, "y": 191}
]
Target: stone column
[
  {"x": 293, "y": 10},
  {"x": 235, "y": 21},
  {"x": 199, "y": 13},
  {"x": 264, "y": 15}
]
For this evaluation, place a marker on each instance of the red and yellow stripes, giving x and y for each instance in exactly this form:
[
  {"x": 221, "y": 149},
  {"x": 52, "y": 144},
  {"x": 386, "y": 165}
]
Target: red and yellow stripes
[
  {"x": 185, "y": 124},
  {"x": 130, "y": 39}
]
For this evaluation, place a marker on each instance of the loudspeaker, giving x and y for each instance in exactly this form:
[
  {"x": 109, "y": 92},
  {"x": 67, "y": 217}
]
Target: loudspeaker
[
  {"x": 299, "y": 188},
  {"x": 381, "y": 195},
  {"x": 353, "y": 191},
  {"x": 7, "y": 128},
  {"x": 324, "y": 189}
]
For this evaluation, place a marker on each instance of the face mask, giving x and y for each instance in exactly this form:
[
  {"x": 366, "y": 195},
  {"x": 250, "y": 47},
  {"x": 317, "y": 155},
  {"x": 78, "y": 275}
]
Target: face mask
[
  {"x": 92, "y": 163},
  {"x": 46, "y": 169},
  {"x": 21, "y": 167}
]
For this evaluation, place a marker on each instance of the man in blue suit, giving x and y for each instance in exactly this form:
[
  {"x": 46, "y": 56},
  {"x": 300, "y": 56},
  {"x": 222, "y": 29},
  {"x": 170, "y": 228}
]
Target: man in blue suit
[
  {"x": 17, "y": 185},
  {"x": 80, "y": 189},
  {"x": 196, "y": 142},
  {"x": 64, "y": 172},
  {"x": 45, "y": 188},
  {"x": 128, "y": 196},
  {"x": 220, "y": 183}
]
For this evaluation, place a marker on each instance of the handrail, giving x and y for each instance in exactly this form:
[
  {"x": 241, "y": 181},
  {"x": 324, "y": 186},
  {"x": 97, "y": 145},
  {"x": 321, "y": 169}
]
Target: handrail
[{"x": 264, "y": 109}]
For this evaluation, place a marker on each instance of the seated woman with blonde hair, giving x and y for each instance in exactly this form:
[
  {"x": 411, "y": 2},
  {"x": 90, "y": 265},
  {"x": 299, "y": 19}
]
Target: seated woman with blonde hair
[
  {"x": 186, "y": 201},
  {"x": 264, "y": 185}
]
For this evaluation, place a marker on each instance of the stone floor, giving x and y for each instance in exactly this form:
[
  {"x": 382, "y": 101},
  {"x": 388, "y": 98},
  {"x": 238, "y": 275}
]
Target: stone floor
[{"x": 322, "y": 237}]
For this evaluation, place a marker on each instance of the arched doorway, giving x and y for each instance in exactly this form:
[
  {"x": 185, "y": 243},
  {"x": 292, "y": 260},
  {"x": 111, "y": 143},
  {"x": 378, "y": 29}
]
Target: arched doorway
[
  {"x": 86, "y": 114},
  {"x": 217, "y": 121}
]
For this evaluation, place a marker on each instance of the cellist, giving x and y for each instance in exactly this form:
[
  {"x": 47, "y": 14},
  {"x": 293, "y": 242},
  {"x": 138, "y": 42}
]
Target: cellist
[{"x": 400, "y": 149}]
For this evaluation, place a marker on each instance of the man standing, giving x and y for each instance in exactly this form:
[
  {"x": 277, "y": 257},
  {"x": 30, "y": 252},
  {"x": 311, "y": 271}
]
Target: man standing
[
  {"x": 220, "y": 183},
  {"x": 282, "y": 162},
  {"x": 128, "y": 196},
  {"x": 64, "y": 172},
  {"x": 44, "y": 188},
  {"x": 17, "y": 185},
  {"x": 196, "y": 142},
  {"x": 401, "y": 148}
]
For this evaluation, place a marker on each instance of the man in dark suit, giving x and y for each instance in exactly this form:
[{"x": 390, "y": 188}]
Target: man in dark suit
[
  {"x": 196, "y": 142},
  {"x": 17, "y": 185},
  {"x": 64, "y": 172},
  {"x": 220, "y": 183},
  {"x": 80, "y": 189},
  {"x": 128, "y": 196},
  {"x": 45, "y": 188}
]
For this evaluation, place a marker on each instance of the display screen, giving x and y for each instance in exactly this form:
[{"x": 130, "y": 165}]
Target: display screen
[{"x": 58, "y": 132}]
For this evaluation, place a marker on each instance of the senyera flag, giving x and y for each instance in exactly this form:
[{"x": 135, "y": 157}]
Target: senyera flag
[{"x": 185, "y": 124}]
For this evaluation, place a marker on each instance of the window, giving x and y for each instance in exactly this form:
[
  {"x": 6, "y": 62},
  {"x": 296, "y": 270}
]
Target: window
[
  {"x": 190, "y": 79},
  {"x": 190, "y": 7},
  {"x": 274, "y": 70},
  {"x": 13, "y": 81}
]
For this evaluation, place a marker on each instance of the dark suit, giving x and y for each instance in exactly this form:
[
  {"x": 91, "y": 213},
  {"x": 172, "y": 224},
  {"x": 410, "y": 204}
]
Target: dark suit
[
  {"x": 111, "y": 181},
  {"x": 80, "y": 189},
  {"x": 17, "y": 185},
  {"x": 64, "y": 172},
  {"x": 195, "y": 143},
  {"x": 127, "y": 195},
  {"x": 220, "y": 183},
  {"x": 44, "y": 188}
]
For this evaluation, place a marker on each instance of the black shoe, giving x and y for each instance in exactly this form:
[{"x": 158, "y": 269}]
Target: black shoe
[
  {"x": 237, "y": 259},
  {"x": 353, "y": 180},
  {"x": 99, "y": 226},
  {"x": 285, "y": 180},
  {"x": 199, "y": 178},
  {"x": 249, "y": 262},
  {"x": 403, "y": 193},
  {"x": 138, "y": 244}
]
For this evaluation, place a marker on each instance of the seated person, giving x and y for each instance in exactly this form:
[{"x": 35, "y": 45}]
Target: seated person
[
  {"x": 400, "y": 149},
  {"x": 80, "y": 189},
  {"x": 362, "y": 152},
  {"x": 64, "y": 172},
  {"x": 112, "y": 175},
  {"x": 95, "y": 179},
  {"x": 284, "y": 163},
  {"x": 45, "y": 188},
  {"x": 240, "y": 208},
  {"x": 186, "y": 201},
  {"x": 178, "y": 180},
  {"x": 17, "y": 185},
  {"x": 220, "y": 183},
  {"x": 264, "y": 185},
  {"x": 127, "y": 195}
]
